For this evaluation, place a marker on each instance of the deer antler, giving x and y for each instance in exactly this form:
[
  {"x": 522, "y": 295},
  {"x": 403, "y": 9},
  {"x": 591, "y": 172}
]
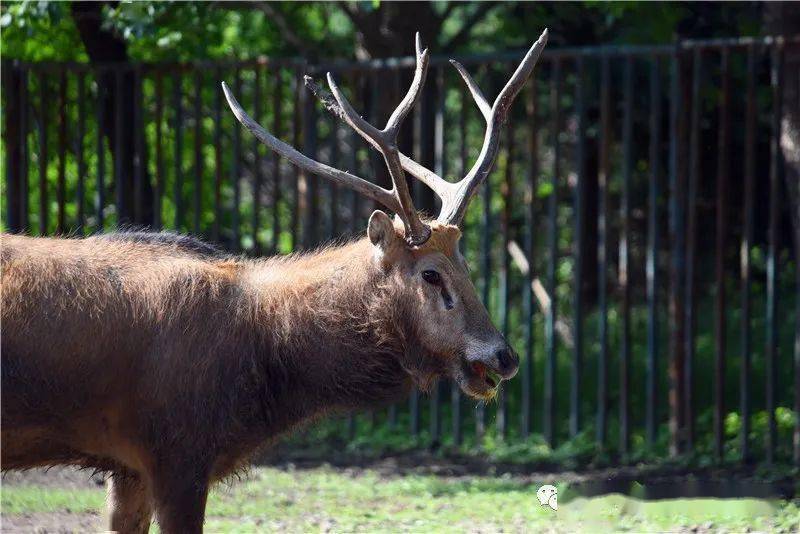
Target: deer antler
[
  {"x": 453, "y": 211},
  {"x": 455, "y": 196},
  {"x": 398, "y": 199}
]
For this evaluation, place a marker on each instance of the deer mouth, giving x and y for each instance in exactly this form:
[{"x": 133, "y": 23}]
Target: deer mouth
[{"x": 477, "y": 379}]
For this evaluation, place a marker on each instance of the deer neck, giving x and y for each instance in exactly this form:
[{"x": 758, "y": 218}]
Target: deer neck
[{"x": 325, "y": 326}]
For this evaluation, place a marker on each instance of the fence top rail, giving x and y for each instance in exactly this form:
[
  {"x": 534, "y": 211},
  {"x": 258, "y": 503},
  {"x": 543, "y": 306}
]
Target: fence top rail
[{"x": 564, "y": 53}]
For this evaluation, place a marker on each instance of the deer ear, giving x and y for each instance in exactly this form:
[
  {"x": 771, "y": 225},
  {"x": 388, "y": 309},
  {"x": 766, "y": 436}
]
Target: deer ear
[{"x": 380, "y": 230}]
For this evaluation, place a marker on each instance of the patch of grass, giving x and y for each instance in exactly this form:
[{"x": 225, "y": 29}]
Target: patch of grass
[
  {"x": 343, "y": 500},
  {"x": 31, "y": 499}
]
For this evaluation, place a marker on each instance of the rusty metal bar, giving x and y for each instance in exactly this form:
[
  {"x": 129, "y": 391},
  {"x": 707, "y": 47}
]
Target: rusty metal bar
[
  {"x": 177, "y": 93},
  {"x": 720, "y": 319},
  {"x": 258, "y": 177},
  {"x": 198, "y": 153},
  {"x": 744, "y": 252},
  {"x": 24, "y": 185},
  {"x": 158, "y": 183},
  {"x": 44, "y": 103},
  {"x": 277, "y": 127},
  {"x": 465, "y": 102},
  {"x": 624, "y": 261},
  {"x": 101, "y": 159},
  {"x": 691, "y": 248},
  {"x": 119, "y": 148},
  {"x": 296, "y": 136},
  {"x": 62, "y": 152},
  {"x": 677, "y": 257},
  {"x": 140, "y": 160},
  {"x": 576, "y": 378},
  {"x": 439, "y": 167},
  {"x": 219, "y": 162},
  {"x": 771, "y": 349},
  {"x": 507, "y": 193},
  {"x": 529, "y": 247},
  {"x": 604, "y": 172},
  {"x": 651, "y": 387},
  {"x": 235, "y": 170},
  {"x": 80, "y": 162},
  {"x": 551, "y": 349}
]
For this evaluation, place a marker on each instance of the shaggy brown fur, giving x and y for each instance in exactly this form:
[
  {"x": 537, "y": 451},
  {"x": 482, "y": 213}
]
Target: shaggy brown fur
[{"x": 168, "y": 363}]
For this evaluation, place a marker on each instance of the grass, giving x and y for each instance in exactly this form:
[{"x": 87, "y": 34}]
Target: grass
[{"x": 341, "y": 500}]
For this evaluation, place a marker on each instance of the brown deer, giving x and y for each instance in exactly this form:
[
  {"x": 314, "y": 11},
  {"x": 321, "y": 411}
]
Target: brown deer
[{"x": 168, "y": 363}]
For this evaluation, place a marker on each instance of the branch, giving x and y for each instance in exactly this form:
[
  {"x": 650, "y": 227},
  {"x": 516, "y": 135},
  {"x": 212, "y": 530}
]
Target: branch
[
  {"x": 466, "y": 29},
  {"x": 284, "y": 27},
  {"x": 542, "y": 297}
]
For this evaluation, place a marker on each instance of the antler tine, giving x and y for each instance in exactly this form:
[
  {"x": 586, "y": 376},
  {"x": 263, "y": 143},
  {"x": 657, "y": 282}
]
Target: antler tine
[
  {"x": 386, "y": 142},
  {"x": 474, "y": 90},
  {"x": 453, "y": 211},
  {"x": 360, "y": 185},
  {"x": 440, "y": 186}
]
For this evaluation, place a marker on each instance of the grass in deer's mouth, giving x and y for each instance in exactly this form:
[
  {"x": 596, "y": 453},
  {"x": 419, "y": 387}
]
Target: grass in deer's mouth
[{"x": 492, "y": 379}]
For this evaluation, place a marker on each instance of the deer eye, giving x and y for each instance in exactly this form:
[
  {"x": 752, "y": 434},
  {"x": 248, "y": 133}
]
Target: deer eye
[{"x": 432, "y": 277}]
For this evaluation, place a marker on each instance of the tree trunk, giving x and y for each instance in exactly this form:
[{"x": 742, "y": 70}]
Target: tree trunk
[{"x": 120, "y": 112}]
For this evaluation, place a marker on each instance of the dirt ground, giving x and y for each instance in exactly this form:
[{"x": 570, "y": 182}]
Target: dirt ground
[{"x": 658, "y": 484}]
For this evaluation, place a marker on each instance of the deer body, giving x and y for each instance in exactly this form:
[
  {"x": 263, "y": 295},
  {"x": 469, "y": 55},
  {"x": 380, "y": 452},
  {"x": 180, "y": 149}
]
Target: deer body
[{"x": 167, "y": 363}]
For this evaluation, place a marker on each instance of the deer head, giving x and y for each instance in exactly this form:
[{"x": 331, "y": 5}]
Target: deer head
[{"x": 419, "y": 259}]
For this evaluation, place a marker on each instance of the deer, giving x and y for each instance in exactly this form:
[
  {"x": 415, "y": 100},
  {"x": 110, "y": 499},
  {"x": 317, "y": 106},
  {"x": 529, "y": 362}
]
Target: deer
[{"x": 168, "y": 363}]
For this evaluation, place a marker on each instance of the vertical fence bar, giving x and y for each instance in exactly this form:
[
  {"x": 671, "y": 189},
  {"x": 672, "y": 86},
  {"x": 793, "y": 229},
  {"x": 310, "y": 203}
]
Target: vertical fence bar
[
  {"x": 178, "y": 155},
  {"x": 438, "y": 156},
  {"x": 719, "y": 264},
  {"x": 158, "y": 183},
  {"x": 257, "y": 174},
  {"x": 24, "y": 186},
  {"x": 771, "y": 350},
  {"x": 296, "y": 136},
  {"x": 13, "y": 149},
  {"x": 80, "y": 162},
  {"x": 44, "y": 103},
  {"x": 529, "y": 247},
  {"x": 744, "y": 251},
  {"x": 464, "y": 102},
  {"x": 677, "y": 250},
  {"x": 62, "y": 151},
  {"x": 503, "y": 275},
  {"x": 352, "y": 163},
  {"x": 235, "y": 175},
  {"x": 218, "y": 160},
  {"x": 140, "y": 161},
  {"x": 198, "y": 151},
  {"x": 604, "y": 170},
  {"x": 24, "y": 161},
  {"x": 334, "y": 188},
  {"x": 651, "y": 415},
  {"x": 277, "y": 125},
  {"x": 119, "y": 185},
  {"x": 551, "y": 349},
  {"x": 485, "y": 281},
  {"x": 311, "y": 218},
  {"x": 576, "y": 381},
  {"x": 624, "y": 261},
  {"x": 101, "y": 158},
  {"x": 691, "y": 237}
]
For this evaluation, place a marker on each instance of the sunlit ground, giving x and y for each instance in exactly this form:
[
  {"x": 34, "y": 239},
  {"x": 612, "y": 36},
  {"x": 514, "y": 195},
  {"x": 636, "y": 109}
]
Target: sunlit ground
[{"x": 364, "y": 500}]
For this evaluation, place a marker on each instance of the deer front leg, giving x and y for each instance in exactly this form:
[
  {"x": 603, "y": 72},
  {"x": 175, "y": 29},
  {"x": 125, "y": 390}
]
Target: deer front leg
[
  {"x": 129, "y": 503},
  {"x": 180, "y": 497}
]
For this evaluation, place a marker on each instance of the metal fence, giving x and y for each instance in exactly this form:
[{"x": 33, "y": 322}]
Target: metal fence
[{"x": 633, "y": 229}]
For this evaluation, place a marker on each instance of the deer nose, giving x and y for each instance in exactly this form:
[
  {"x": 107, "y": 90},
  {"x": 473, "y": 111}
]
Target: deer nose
[{"x": 508, "y": 361}]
